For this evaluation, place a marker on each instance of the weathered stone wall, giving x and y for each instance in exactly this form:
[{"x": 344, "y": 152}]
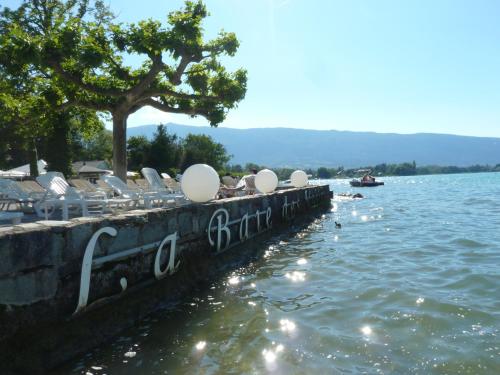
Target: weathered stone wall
[{"x": 99, "y": 274}]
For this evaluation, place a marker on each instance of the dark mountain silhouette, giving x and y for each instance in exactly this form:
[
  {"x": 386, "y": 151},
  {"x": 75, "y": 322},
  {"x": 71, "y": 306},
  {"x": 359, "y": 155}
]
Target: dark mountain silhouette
[{"x": 286, "y": 147}]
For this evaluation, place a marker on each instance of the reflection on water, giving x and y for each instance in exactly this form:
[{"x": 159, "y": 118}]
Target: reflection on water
[
  {"x": 296, "y": 276},
  {"x": 200, "y": 345},
  {"x": 409, "y": 284},
  {"x": 367, "y": 331}
]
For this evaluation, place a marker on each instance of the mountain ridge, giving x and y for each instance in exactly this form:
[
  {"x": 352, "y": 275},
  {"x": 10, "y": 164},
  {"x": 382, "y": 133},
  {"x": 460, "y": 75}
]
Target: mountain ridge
[{"x": 293, "y": 147}]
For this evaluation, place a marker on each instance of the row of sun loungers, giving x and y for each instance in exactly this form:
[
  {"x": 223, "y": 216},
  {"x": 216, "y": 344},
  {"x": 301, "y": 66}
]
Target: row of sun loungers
[{"x": 51, "y": 192}]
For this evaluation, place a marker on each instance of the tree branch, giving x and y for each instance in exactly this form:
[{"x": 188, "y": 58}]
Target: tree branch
[
  {"x": 83, "y": 104},
  {"x": 194, "y": 71},
  {"x": 185, "y": 61},
  {"x": 146, "y": 81},
  {"x": 177, "y": 95},
  {"x": 117, "y": 66},
  {"x": 77, "y": 81},
  {"x": 166, "y": 108}
]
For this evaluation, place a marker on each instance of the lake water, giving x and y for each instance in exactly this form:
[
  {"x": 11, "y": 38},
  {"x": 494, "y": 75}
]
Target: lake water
[{"x": 410, "y": 285}]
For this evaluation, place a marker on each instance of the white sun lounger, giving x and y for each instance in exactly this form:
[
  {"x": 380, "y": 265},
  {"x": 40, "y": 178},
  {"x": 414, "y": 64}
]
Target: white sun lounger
[
  {"x": 171, "y": 184},
  {"x": 60, "y": 194},
  {"x": 12, "y": 193},
  {"x": 156, "y": 183},
  {"x": 126, "y": 192},
  {"x": 87, "y": 188}
]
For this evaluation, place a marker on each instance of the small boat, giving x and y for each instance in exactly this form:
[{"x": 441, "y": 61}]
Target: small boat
[
  {"x": 360, "y": 183},
  {"x": 366, "y": 181}
]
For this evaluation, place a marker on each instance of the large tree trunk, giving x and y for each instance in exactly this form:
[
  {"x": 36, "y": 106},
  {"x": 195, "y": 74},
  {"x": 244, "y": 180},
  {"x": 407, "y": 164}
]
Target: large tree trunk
[
  {"x": 58, "y": 153},
  {"x": 120, "y": 145}
]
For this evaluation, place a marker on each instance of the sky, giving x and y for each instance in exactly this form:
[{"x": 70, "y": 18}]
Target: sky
[{"x": 395, "y": 66}]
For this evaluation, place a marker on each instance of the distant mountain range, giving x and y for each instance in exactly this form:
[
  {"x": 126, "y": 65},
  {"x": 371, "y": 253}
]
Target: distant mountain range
[{"x": 286, "y": 147}]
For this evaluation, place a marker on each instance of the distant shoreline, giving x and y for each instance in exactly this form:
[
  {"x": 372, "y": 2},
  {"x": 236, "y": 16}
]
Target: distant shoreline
[
  {"x": 404, "y": 169},
  {"x": 379, "y": 170}
]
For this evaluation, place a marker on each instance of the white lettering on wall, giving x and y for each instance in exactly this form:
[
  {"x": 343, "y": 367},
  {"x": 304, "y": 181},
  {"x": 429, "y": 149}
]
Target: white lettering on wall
[
  {"x": 268, "y": 217},
  {"x": 312, "y": 196},
  {"x": 221, "y": 228},
  {"x": 288, "y": 210},
  {"x": 171, "y": 267},
  {"x": 219, "y": 235},
  {"x": 87, "y": 268}
]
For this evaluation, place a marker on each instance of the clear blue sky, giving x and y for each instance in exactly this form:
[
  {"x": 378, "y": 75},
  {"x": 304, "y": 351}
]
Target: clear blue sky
[{"x": 386, "y": 66}]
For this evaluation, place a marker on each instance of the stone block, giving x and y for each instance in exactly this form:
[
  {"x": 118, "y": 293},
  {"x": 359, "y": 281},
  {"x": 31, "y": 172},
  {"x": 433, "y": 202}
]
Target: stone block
[
  {"x": 26, "y": 250},
  {"x": 29, "y": 288}
]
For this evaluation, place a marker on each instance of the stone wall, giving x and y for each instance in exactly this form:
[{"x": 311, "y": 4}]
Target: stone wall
[{"x": 94, "y": 276}]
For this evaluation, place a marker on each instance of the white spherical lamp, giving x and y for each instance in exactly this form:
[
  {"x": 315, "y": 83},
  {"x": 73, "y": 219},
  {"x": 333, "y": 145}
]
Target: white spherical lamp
[
  {"x": 200, "y": 183},
  {"x": 298, "y": 179},
  {"x": 266, "y": 181}
]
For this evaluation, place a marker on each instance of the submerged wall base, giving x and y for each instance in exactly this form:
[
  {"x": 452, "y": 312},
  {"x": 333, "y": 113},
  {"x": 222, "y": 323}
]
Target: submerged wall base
[{"x": 66, "y": 287}]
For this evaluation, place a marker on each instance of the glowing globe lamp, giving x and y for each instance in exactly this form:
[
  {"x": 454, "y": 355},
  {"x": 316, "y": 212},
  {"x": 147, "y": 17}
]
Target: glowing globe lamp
[
  {"x": 200, "y": 183},
  {"x": 298, "y": 179},
  {"x": 266, "y": 181}
]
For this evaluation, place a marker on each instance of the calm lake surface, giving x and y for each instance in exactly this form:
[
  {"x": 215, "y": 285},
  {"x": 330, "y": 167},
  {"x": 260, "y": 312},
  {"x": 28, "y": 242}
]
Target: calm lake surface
[{"x": 410, "y": 285}]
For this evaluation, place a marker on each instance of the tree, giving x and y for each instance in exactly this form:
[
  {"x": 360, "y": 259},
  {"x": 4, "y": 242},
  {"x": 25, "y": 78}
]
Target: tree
[
  {"x": 250, "y": 166},
  {"x": 31, "y": 125},
  {"x": 22, "y": 111},
  {"x": 82, "y": 50},
  {"x": 99, "y": 146},
  {"x": 139, "y": 149},
  {"x": 59, "y": 155},
  {"x": 236, "y": 168},
  {"x": 323, "y": 173},
  {"x": 203, "y": 149},
  {"x": 164, "y": 151}
]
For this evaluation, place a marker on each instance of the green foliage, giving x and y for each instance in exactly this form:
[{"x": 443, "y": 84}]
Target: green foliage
[
  {"x": 250, "y": 166},
  {"x": 99, "y": 146},
  {"x": 167, "y": 153},
  {"x": 164, "y": 150},
  {"x": 138, "y": 150},
  {"x": 203, "y": 149},
  {"x": 235, "y": 168},
  {"x": 31, "y": 124},
  {"x": 324, "y": 173}
]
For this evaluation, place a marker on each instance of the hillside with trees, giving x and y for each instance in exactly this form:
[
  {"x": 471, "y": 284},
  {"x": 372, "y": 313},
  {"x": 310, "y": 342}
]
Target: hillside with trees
[{"x": 304, "y": 148}]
